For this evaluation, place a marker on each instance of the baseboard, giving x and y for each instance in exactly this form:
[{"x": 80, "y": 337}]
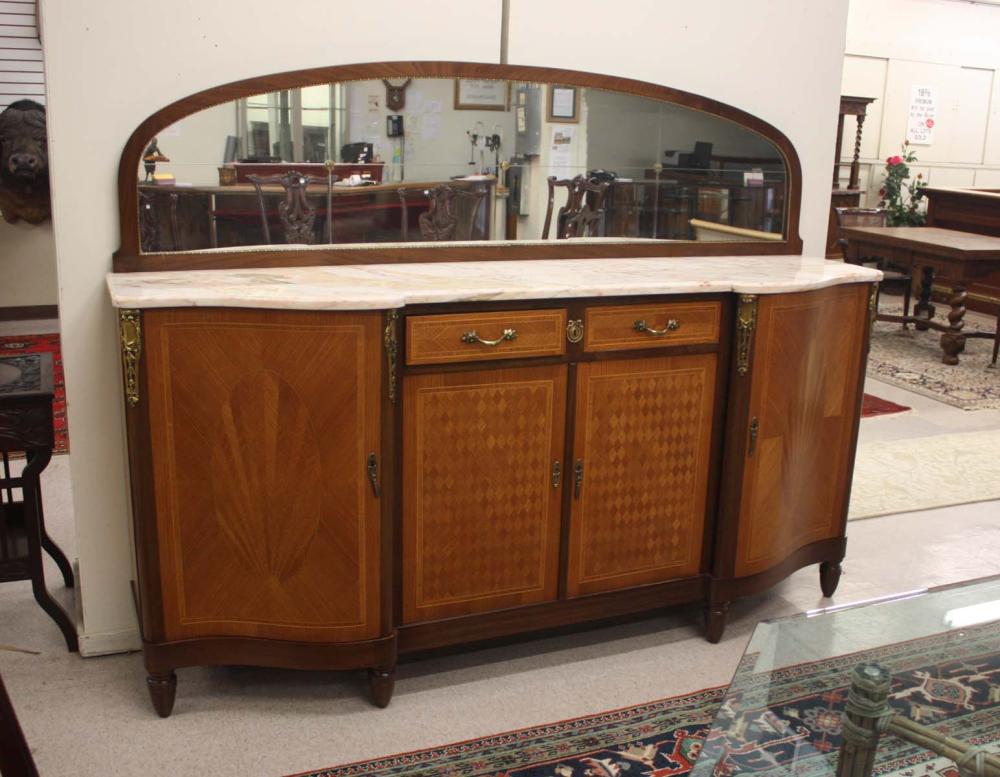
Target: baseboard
[
  {"x": 107, "y": 642},
  {"x": 27, "y": 312}
]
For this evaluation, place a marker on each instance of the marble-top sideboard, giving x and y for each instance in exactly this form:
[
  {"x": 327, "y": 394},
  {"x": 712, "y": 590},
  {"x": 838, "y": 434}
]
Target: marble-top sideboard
[{"x": 384, "y": 286}]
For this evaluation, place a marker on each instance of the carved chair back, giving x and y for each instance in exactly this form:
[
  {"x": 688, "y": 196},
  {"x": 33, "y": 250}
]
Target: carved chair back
[
  {"x": 583, "y": 212},
  {"x": 296, "y": 213},
  {"x": 452, "y": 212},
  {"x": 150, "y": 221}
]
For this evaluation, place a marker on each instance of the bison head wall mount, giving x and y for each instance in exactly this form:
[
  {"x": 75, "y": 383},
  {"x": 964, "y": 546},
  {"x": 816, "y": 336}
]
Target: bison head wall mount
[{"x": 24, "y": 163}]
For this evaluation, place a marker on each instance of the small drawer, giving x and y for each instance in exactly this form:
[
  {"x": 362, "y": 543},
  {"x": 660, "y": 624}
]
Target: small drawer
[
  {"x": 473, "y": 337},
  {"x": 626, "y": 327}
]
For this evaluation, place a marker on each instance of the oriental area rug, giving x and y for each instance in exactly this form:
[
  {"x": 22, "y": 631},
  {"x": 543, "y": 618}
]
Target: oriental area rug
[
  {"x": 872, "y": 406},
  {"x": 912, "y": 360},
  {"x": 14, "y": 345},
  {"x": 940, "y": 681}
]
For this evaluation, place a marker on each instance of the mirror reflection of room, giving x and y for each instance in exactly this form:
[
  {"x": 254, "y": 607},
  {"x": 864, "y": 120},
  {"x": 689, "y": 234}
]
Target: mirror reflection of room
[{"x": 439, "y": 159}]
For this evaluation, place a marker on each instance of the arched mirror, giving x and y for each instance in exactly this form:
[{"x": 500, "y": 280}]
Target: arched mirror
[{"x": 415, "y": 161}]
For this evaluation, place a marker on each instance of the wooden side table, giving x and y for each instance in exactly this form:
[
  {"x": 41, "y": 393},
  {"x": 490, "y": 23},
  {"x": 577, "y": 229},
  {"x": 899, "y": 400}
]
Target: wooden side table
[{"x": 26, "y": 426}]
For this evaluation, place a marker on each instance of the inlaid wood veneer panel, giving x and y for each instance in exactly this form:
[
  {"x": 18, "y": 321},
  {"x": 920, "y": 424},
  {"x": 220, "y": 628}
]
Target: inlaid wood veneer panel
[
  {"x": 438, "y": 339},
  {"x": 481, "y": 516},
  {"x": 261, "y": 423},
  {"x": 613, "y": 328},
  {"x": 805, "y": 383},
  {"x": 643, "y": 434}
]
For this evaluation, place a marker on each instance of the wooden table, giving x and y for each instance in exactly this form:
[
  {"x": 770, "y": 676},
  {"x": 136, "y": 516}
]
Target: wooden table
[
  {"x": 26, "y": 390},
  {"x": 961, "y": 257}
]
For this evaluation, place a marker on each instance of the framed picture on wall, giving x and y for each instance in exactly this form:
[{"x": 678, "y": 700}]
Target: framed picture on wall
[
  {"x": 563, "y": 104},
  {"x": 473, "y": 94}
]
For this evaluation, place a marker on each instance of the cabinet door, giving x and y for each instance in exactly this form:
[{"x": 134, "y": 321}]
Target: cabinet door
[
  {"x": 480, "y": 511},
  {"x": 805, "y": 381},
  {"x": 642, "y": 444},
  {"x": 261, "y": 424}
]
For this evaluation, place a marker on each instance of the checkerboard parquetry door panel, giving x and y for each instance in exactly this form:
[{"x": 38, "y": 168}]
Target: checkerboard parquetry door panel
[
  {"x": 481, "y": 516},
  {"x": 643, "y": 436}
]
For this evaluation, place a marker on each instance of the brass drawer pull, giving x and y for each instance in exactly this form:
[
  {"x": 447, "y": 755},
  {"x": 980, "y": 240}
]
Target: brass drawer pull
[
  {"x": 472, "y": 337},
  {"x": 672, "y": 324}
]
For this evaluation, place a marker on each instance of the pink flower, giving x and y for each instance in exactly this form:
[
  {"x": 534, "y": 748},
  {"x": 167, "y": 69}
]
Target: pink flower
[{"x": 894, "y": 160}]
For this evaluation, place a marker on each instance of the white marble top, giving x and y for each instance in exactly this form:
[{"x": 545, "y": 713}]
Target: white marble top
[{"x": 374, "y": 286}]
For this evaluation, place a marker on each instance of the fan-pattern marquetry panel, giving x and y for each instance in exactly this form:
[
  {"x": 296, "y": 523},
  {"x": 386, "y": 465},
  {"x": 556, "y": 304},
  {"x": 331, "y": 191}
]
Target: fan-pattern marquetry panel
[
  {"x": 261, "y": 424},
  {"x": 480, "y": 513},
  {"x": 805, "y": 374},
  {"x": 643, "y": 433}
]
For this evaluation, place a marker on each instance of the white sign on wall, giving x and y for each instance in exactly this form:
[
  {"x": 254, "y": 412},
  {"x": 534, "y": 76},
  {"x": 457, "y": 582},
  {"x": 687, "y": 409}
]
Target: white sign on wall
[{"x": 923, "y": 110}]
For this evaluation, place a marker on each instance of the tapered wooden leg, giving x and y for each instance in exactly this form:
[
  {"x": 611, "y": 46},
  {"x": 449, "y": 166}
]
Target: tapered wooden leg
[
  {"x": 381, "y": 681},
  {"x": 162, "y": 691},
  {"x": 715, "y": 621},
  {"x": 924, "y": 308},
  {"x": 829, "y": 577}
]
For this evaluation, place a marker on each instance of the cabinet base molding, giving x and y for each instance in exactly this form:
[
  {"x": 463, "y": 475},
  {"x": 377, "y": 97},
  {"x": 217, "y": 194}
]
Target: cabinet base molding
[
  {"x": 162, "y": 658},
  {"x": 824, "y": 552},
  {"x": 542, "y": 617}
]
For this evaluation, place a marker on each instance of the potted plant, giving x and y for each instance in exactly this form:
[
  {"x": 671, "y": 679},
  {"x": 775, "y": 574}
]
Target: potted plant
[{"x": 899, "y": 195}]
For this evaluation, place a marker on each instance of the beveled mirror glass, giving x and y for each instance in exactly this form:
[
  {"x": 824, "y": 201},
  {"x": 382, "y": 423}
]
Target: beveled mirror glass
[{"x": 433, "y": 159}]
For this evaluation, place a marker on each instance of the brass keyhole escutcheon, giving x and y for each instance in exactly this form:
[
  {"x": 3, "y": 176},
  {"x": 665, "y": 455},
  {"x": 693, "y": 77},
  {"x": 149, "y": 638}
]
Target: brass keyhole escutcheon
[{"x": 574, "y": 330}]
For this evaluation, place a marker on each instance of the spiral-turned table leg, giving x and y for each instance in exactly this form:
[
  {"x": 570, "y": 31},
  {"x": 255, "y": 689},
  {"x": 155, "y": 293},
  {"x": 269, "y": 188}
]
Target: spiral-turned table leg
[{"x": 953, "y": 341}]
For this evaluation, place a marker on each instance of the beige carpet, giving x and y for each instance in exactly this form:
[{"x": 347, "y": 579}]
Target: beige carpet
[{"x": 918, "y": 474}]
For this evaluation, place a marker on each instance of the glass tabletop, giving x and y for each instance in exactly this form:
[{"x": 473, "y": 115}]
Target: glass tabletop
[{"x": 781, "y": 714}]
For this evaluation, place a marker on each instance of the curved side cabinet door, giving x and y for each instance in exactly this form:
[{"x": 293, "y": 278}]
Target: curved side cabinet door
[
  {"x": 805, "y": 379},
  {"x": 262, "y": 424}
]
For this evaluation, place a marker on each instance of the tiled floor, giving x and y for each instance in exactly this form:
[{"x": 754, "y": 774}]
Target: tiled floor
[{"x": 92, "y": 716}]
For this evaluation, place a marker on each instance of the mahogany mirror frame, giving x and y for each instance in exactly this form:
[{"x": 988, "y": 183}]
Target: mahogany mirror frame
[{"x": 129, "y": 258}]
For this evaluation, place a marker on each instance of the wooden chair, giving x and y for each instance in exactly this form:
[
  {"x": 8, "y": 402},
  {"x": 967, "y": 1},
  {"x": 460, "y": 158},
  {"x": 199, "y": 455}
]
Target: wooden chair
[
  {"x": 894, "y": 277},
  {"x": 451, "y": 214},
  {"x": 297, "y": 215},
  {"x": 583, "y": 213}
]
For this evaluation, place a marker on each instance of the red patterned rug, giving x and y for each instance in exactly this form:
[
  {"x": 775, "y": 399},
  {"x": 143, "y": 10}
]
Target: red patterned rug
[
  {"x": 948, "y": 681},
  {"x": 872, "y": 406},
  {"x": 13, "y": 345}
]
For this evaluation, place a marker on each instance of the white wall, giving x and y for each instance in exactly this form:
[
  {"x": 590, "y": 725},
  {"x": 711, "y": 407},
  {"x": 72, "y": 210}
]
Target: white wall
[
  {"x": 198, "y": 45},
  {"x": 893, "y": 45},
  {"x": 27, "y": 265}
]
